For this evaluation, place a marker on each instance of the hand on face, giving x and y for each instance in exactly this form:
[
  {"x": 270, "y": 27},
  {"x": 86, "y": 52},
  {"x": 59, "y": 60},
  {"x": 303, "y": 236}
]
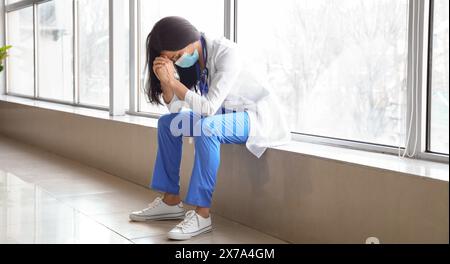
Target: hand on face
[{"x": 164, "y": 69}]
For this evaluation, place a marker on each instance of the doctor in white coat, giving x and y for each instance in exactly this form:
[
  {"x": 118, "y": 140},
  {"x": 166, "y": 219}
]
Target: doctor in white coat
[{"x": 226, "y": 104}]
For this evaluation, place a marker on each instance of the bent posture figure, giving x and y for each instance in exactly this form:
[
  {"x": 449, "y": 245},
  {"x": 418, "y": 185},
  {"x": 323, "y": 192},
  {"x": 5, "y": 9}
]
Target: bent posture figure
[{"x": 226, "y": 105}]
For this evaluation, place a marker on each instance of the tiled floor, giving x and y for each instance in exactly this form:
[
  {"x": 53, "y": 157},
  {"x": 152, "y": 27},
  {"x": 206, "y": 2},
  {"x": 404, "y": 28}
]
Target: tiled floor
[{"x": 45, "y": 198}]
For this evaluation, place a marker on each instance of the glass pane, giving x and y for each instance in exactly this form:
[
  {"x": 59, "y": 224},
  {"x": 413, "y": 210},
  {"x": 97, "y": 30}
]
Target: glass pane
[
  {"x": 210, "y": 21},
  {"x": 439, "y": 105},
  {"x": 55, "y": 50},
  {"x": 339, "y": 66},
  {"x": 21, "y": 56},
  {"x": 93, "y": 52}
]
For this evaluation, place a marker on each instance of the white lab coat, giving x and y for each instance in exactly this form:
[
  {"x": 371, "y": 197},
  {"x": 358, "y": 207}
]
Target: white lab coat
[{"x": 232, "y": 85}]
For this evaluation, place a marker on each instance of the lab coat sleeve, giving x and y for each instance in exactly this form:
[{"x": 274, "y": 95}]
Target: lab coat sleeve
[
  {"x": 228, "y": 67},
  {"x": 175, "y": 104}
]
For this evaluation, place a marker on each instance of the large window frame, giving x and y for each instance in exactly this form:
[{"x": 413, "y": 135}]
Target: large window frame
[
  {"x": 75, "y": 87},
  {"x": 418, "y": 89},
  {"x": 429, "y": 83},
  {"x": 418, "y": 83}
]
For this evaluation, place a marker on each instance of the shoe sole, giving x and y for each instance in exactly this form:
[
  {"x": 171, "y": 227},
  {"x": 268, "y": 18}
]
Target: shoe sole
[
  {"x": 182, "y": 237},
  {"x": 174, "y": 216}
]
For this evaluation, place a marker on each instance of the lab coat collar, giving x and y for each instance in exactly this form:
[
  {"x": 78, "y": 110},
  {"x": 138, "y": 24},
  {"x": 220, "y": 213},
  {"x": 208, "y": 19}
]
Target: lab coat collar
[{"x": 209, "y": 47}]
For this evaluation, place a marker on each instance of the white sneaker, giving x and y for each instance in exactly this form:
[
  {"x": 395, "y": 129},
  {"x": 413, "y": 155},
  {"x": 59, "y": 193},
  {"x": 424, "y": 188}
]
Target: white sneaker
[
  {"x": 192, "y": 225},
  {"x": 159, "y": 210}
]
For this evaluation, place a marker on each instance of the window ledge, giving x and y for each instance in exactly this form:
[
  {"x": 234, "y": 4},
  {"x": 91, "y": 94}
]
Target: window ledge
[
  {"x": 83, "y": 111},
  {"x": 421, "y": 168}
]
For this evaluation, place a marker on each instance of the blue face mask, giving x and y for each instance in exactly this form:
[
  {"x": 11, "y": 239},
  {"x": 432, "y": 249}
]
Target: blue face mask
[{"x": 187, "y": 60}]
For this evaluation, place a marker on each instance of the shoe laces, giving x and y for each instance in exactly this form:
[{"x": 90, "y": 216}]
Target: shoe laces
[
  {"x": 153, "y": 204},
  {"x": 189, "y": 220}
]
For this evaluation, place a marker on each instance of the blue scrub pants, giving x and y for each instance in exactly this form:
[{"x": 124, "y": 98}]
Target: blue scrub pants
[{"x": 208, "y": 133}]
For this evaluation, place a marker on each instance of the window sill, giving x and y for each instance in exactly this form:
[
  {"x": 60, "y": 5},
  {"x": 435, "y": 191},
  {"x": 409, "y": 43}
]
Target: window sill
[
  {"x": 83, "y": 111},
  {"x": 421, "y": 168}
]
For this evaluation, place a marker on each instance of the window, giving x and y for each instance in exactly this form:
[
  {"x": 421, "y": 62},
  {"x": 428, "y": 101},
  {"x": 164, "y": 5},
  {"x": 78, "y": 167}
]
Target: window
[
  {"x": 20, "y": 68},
  {"x": 338, "y": 65},
  {"x": 210, "y": 22},
  {"x": 60, "y": 76},
  {"x": 93, "y": 52},
  {"x": 55, "y": 50},
  {"x": 439, "y": 73}
]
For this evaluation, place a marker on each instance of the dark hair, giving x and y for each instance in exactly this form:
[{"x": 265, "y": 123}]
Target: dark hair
[{"x": 169, "y": 34}]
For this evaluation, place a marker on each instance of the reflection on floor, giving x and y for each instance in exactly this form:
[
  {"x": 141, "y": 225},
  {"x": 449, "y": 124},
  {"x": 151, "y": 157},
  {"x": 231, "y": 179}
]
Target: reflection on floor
[{"x": 45, "y": 198}]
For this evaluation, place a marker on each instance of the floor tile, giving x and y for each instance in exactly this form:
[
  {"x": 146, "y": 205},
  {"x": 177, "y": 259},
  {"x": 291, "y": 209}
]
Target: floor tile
[{"x": 74, "y": 230}]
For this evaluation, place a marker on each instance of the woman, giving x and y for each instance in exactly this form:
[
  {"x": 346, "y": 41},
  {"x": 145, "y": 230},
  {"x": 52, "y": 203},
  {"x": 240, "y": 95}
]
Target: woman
[{"x": 227, "y": 106}]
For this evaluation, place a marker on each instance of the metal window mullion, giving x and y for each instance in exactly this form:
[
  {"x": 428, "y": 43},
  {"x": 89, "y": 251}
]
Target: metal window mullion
[
  {"x": 421, "y": 78},
  {"x": 134, "y": 56},
  {"x": 36, "y": 51},
  {"x": 436, "y": 157},
  {"x": 343, "y": 143},
  {"x": 235, "y": 20},
  {"x": 423, "y": 87},
  {"x": 430, "y": 76},
  {"x": 76, "y": 61},
  {"x": 31, "y": 97},
  {"x": 117, "y": 64},
  {"x": 18, "y": 5},
  {"x": 412, "y": 113},
  {"x": 139, "y": 52},
  {"x": 409, "y": 75},
  {"x": 5, "y": 41},
  {"x": 413, "y": 144},
  {"x": 60, "y": 102},
  {"x": 230, "y": 19},
  {"x": 227, "y": 19}
]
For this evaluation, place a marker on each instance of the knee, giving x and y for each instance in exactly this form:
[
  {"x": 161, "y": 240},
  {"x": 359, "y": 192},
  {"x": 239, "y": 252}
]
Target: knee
[
  {"x": 208, "y": 130},
  {"x": 164, "y": 121}
]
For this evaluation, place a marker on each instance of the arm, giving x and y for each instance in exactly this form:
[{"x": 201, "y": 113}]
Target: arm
[
  {"x": 228, "y": 67},
  {"x": 168, "y": 94},
  {"x": 164, "y": 71}
]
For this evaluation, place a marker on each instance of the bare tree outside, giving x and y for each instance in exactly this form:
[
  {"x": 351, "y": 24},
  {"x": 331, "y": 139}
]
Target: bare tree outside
[
  {"x": 94, "y": 52},
  {"x": 55, "y": 52},
  {"x": 339, "y": 65},
  {"x": 20, "y": 67},
  {"x": 439, "y": 138}
]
